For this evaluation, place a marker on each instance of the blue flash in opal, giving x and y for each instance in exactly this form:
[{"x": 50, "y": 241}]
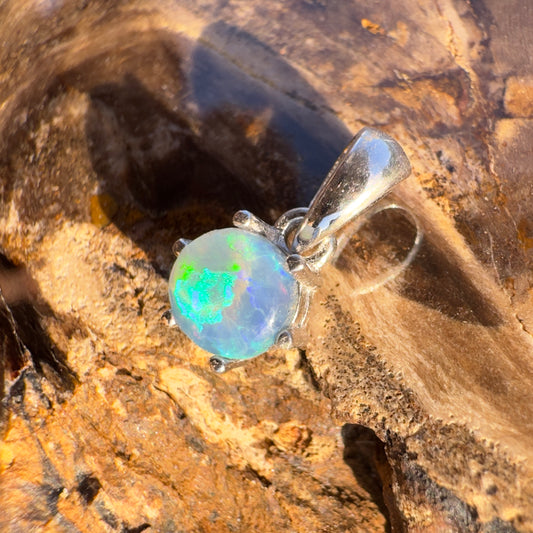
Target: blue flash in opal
[{"x": 231, "y": 293}]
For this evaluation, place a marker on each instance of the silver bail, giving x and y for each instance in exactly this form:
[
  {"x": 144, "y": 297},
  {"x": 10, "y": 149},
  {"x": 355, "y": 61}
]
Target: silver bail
[{"x": 366, "y": 170}]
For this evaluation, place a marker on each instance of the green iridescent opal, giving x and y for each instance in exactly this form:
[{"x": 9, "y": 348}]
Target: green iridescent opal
[
  {"x": 200, "y": 290},
  {"x": 231, "y": 293}
]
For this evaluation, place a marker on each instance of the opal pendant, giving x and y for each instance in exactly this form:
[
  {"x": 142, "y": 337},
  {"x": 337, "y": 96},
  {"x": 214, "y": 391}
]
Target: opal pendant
[
  {"x": 231, "y": 292},
  {"x": 237, "y": 291}
]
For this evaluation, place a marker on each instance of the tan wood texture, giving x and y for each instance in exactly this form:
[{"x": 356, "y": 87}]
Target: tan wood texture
[{"x": 125, "y": 126}]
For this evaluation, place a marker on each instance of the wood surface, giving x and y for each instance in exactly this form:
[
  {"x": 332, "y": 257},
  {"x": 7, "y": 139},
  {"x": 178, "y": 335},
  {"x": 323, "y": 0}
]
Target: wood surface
[{"x": 124, "y": 126}]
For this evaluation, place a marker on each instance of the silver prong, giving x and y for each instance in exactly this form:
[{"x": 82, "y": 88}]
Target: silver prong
[
  {"x": 299, "y": 268},
  {"x": 169, "y": 318},
  {"x": 296, "y": 263},
  {"x": 245, "y": 220},
  {"x": 178, "y": 246},
  {"x": 221, "y": 364},
  {"x": 242, "y": 219},
  {"x": 284, "y": 340}
]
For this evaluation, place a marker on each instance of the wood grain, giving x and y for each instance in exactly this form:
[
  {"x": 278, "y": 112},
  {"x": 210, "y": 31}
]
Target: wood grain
[{"x": 124, "y": 127}]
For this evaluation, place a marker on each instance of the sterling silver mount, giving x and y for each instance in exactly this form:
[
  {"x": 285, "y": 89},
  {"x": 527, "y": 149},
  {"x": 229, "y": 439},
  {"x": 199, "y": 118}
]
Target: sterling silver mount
[{"x": 367, "y": 169}]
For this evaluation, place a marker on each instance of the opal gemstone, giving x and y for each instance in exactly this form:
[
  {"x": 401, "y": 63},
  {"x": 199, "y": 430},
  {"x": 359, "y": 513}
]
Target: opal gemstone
[{"x": 231, "y": 293}]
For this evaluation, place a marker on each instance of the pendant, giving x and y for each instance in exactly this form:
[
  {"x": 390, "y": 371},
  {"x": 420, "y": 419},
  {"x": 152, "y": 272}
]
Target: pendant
[{"x": 238, "y": 291}]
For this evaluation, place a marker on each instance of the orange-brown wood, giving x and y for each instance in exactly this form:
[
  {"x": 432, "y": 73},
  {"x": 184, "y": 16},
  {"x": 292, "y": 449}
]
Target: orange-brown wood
[{"x": 126, "y": 126}]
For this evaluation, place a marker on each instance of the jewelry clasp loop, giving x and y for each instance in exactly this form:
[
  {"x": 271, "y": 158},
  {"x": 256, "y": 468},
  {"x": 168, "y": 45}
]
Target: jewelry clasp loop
[{"x": 371, "y": 164}]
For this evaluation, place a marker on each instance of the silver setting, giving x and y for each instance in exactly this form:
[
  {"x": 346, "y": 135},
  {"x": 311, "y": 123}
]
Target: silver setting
[
  {"x": 178, "y": 246},
  {"x": 221, "y": 364},
  {"x": 169, "y": 318},
  {"x": 368, "y": 168},
  {"x": 248, "y": 221},
  {"x": 285, "y": 340},
  {"x": 302, "y": 270}
]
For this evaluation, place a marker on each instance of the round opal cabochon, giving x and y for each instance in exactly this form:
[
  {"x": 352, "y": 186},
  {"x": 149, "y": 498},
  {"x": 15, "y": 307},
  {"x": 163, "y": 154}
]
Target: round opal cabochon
[{"x": 231, "y": 293}]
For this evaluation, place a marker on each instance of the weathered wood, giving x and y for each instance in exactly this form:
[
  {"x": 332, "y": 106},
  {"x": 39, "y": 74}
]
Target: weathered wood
[{"x": 124, "y": 127}]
